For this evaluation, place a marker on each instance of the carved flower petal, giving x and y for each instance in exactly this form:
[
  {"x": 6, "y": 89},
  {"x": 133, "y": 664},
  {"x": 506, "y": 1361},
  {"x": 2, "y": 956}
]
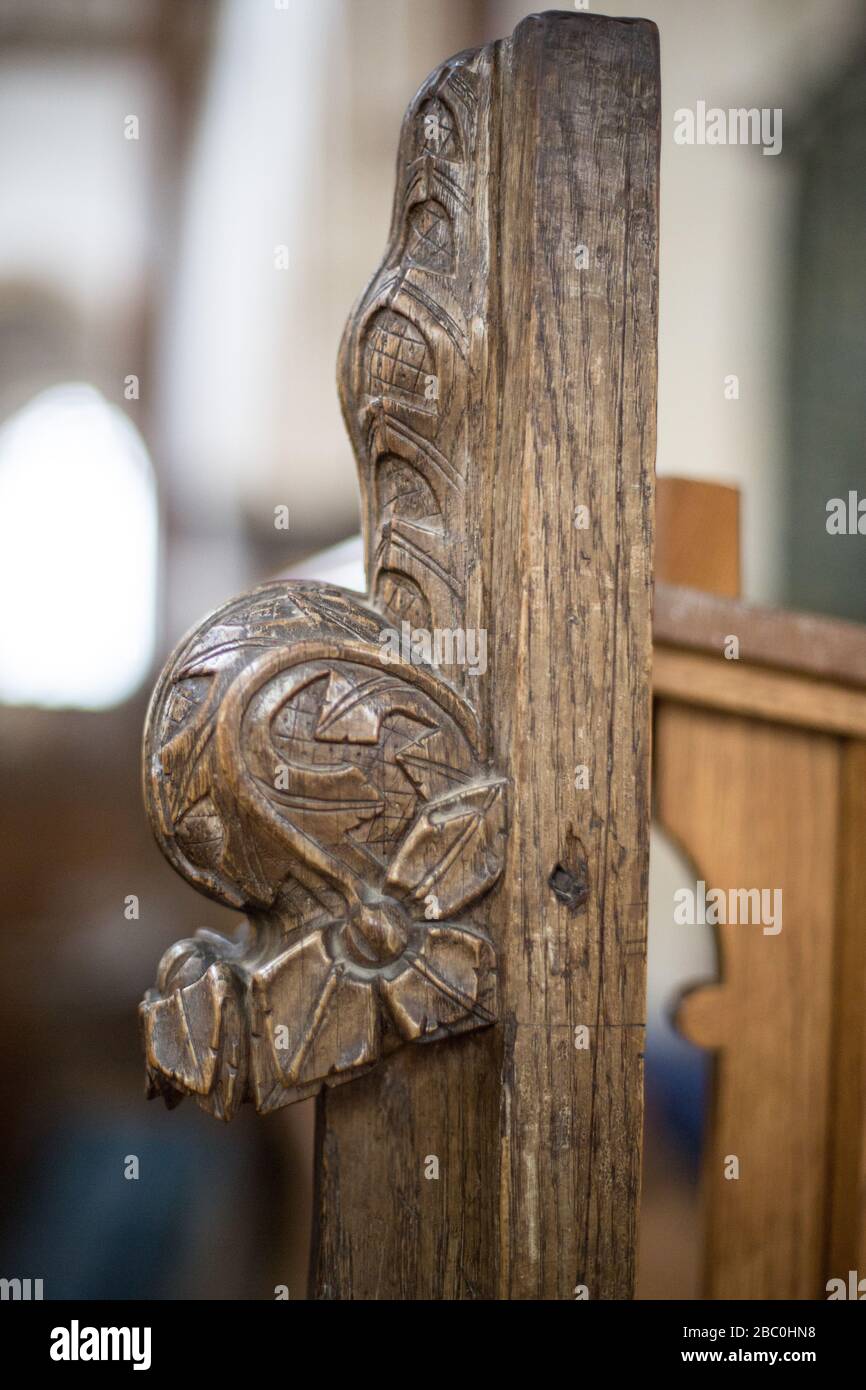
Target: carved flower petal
[
  {"x": 310, "y": 1022},
  {"x": 453, "y": 853},
  {"x": 195, "y": 1039},
  {"x": 281, "y": 994},
  {"x": 347, "y": 1036},
  {"x": 450, "y": 987}
]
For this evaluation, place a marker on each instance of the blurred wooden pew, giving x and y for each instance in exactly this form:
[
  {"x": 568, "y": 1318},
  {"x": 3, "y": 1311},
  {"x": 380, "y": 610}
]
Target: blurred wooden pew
[{"x": 760, "y": 777}]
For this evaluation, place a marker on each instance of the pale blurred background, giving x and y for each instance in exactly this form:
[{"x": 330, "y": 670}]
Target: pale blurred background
[{"x": 195, "y": 191}]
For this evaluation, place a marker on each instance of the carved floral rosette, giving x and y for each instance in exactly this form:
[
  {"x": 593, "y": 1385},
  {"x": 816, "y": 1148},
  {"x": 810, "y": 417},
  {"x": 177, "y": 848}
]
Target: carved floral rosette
[{"x": 342, "y": 800}]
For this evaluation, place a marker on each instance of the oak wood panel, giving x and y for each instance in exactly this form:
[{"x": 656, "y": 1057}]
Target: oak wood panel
[
  {"x": 538, "y": 1142},
  {"x": 807, "y": 643},
  {"x": 785, "y": 697},
  {"x": 756, "y": 805},
  {"x": 846, "y": 1245}
]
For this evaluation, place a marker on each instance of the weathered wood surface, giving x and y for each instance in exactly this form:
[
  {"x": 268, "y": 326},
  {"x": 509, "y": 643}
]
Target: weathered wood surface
[{"x": 543, "y": 360}]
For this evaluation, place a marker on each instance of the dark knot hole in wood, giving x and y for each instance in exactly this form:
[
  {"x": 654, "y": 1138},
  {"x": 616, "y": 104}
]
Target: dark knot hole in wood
[{"x": 571, "y": 885}]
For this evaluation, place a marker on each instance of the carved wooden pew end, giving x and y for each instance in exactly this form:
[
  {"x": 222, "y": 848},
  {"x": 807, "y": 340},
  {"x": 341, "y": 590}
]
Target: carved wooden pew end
[
  {"x": 293, "y": 769},
  {"x": 493, "y": 383}
]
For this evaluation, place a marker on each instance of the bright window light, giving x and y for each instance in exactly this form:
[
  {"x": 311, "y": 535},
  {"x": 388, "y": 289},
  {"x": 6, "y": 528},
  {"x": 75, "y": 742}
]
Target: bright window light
[{"x": 78, "y": 553}]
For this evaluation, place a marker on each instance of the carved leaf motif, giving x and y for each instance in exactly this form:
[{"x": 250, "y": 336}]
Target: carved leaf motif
[
  {"x": 454, "y": 850},
  {"x": 345, "y": 802},
  {"x": 313, "y": 1021},
  {"x": 401, "y": 599},
  {"x": 439, "y": 133},
  {"x": 195, "y": 1038},
  {"x": 353, "y": 709},
  {"x": 436, "y": 763},
  {"x": 430, "y": 241},
  {"x": 405, "y": 494}
]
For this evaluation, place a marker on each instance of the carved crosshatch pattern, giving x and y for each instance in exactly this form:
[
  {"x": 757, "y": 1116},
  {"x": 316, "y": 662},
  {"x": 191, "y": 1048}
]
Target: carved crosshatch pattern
[{"x": 410, "y": 360}]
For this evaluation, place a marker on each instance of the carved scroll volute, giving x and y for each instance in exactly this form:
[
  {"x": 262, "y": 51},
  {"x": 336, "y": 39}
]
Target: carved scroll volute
[
  {"x": 344, "y": 802},
  {"x": 303, "y": 762}
]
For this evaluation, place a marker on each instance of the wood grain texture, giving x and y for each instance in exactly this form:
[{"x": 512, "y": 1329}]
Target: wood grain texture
[
  {"x": 827, "y": 648},
  {"x": 762, "y": 692},
  {"x": 546, "y": 404},
  {"x": 755, "y": 805},
  {"x": 846, "y": 1235}
]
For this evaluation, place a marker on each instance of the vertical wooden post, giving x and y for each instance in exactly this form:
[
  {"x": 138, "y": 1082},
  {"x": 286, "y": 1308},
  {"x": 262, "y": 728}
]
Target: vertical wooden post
[
  {"x": 846, "y": 1242},
  {"x": 535, "y": 1123}
]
